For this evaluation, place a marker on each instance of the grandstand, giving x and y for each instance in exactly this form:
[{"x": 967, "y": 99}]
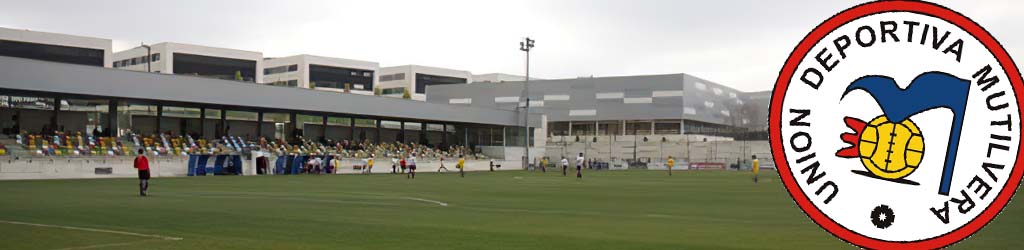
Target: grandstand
[{"x": 81, "y": 113}]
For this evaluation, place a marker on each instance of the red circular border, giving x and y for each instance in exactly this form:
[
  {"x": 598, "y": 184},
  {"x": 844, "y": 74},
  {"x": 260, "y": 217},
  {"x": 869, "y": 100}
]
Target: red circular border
[{"x": 812, "y": 38}]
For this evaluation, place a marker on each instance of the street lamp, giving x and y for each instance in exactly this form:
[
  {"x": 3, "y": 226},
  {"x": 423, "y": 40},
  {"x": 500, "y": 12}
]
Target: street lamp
[{"x": 526, "y": 45}]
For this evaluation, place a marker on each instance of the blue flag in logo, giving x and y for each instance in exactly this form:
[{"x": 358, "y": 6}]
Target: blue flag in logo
[{"x": 927, "y": 91}]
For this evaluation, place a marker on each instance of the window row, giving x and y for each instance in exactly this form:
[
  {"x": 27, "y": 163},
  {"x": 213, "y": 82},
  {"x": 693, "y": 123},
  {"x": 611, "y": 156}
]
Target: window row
[
  {"x": 281, "y": 69},
  {"x": 137, "y": 60},
  {"x": 289, "y": 83},
  {"x": 392, "y": 77}
]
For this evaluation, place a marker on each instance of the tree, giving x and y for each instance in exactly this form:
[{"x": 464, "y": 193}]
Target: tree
[
  {"x": 238, "y": 76},
  {"x": 406, "y": 94},
  {"x": 377, "y": 91}
]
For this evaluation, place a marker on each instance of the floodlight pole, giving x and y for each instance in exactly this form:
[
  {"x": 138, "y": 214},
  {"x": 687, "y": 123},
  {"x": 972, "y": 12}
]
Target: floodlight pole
[{"x": 525, "y": 46}]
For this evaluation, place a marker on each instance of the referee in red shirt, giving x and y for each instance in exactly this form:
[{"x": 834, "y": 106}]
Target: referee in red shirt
[{"x": 142, "y": 164}]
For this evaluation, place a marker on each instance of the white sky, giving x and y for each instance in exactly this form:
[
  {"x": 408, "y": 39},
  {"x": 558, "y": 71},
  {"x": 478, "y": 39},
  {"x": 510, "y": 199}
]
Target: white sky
[{"x": 737, "y": 43}]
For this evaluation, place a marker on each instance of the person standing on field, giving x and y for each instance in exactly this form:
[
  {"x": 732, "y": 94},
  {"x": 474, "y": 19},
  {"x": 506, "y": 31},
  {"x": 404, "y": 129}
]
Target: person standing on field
[
  {"x": 671, "y": 163},
  {"x": 755, "y": 166},
  {"x": 441, "y": 159},
  {"x": 544, "y": 165},
  {"x": 565, "y": 166},
  {"x": 142, "y": 164},
  {"x": 412, "y": 165},
  {"x": 462, "y": 165},
  {"x": 579, "y": 166}
]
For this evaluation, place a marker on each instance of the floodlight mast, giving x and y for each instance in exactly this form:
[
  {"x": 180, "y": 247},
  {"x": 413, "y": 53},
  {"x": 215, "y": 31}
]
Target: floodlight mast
[{"x": 526, "y": 45}]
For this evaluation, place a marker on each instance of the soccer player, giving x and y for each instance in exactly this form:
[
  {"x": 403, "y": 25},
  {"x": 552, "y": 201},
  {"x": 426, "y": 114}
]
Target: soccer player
[
  {"x": 565, "y": 165},
  {"x": 369, "y": 164},
  {"x": 755, "y": 166},
  {"x": 579, "y": 166},
  {"x": 402, "y": 164},
  {"x": 462, "y": 165},
  {"x": 671, "y": 163},
  {"x": 442, "y": 165},
  {"x": 142, "y": 164},
  {"x": 412, "y": 165},
  {"x": 544, "y": 165},
  {"x": 394, "y": 165}
]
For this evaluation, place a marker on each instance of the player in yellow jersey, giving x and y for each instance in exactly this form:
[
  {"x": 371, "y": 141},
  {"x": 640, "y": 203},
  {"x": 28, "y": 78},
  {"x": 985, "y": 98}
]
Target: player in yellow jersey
[
  {"x": 755, "y": 165},
  {"x": 544, "y": 165},
  {"x": 462, "y": 166},
  {"x": 671, "y": 163},
  {"x": 369, "y": 164}
]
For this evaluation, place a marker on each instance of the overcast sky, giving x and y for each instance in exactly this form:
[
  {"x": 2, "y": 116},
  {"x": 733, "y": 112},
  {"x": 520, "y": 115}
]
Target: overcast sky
[{"x": 737, "y": 43}]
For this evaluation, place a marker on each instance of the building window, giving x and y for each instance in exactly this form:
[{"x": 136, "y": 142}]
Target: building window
[
  {"x": 280, "y": 69},
  {"x": 155, "y": 57},
  {"x": 583, "y": 112},
  {"x": 610, "y": 95},
  {"x": 666, "y": 127},
  {"x": 117, "y": 64},
  {"x": 337, "y": 77},
  {"x": 556, "y": 97},
  {"x": 392, "y": 91},
  {"x": 506, "y": 99},
  {"x": 667, "y": 93},
  {"x": 424, "y": 80},
  {"x": 637, "y": 100},
  {"x": 52, "y": 53}
]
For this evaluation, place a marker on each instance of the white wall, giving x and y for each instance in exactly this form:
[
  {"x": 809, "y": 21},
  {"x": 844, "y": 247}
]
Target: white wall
[
  {"x": 303, "y": 62},
  {"x": 410, "y": 77},
  {"x": 61, "y": 39},
  {"x": 167, "y": 51}
]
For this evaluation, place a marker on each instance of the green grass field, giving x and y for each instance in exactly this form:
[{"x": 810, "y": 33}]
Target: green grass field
[{"x": 506, "y": 210}]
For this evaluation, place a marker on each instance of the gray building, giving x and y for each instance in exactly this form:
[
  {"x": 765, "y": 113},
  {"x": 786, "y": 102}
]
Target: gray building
[{"x": 651, "y": 104}]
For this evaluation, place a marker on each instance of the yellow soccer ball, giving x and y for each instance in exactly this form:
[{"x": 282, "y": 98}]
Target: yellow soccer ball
[{"x": 891, "y": 150}]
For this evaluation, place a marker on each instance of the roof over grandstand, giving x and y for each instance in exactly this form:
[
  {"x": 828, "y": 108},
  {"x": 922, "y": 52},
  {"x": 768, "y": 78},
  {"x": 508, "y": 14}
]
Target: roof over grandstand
[{"x": 45, "y": 79}]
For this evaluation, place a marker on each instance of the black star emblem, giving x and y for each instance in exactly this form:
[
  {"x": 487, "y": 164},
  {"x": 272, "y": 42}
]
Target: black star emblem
[{"x": 882, "y": 216}]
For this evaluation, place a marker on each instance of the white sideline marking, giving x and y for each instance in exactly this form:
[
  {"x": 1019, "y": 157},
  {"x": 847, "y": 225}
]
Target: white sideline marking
[
  {"x": 270, "y": 195},
  {"x": 93, "y": 230},
  {"x": 106, "y": 245},
  {"x": 426, "y": 200}
]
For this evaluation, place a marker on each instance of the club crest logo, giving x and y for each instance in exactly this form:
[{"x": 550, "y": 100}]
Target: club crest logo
[{"x": 896, "y": 124}]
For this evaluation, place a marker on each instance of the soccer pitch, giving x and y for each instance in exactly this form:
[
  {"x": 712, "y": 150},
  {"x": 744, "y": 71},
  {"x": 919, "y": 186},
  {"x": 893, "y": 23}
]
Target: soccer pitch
[{"x": 486, "y": 210}]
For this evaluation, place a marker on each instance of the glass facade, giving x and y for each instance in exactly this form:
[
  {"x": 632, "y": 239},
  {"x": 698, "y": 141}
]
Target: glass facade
[
  {"x": 52, "y": 53},
  {"x": 337, "y": 77},
  {"x": 424, "y": 80},
  {"x": 214, "y": 67}
]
